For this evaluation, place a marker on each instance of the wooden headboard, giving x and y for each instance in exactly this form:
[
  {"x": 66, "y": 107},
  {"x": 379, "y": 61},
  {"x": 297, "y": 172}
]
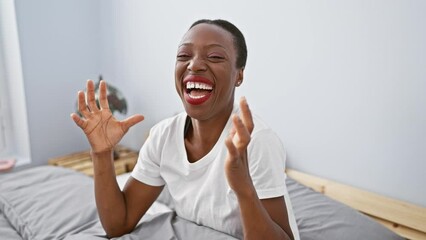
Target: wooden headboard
[{"x": 407, "y": 220}]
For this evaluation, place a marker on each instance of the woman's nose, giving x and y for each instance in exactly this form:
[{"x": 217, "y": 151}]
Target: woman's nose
[{"x": 196, "y": 64}]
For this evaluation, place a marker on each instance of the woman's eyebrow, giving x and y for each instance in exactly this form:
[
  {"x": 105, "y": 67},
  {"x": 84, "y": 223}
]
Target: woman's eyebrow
[
  {"x": 216, "y": 45},
  {"x": 208, "y": 46}
]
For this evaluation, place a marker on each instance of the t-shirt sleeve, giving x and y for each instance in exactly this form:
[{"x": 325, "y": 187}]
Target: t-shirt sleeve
[
  {"x": 147, "y": 169},
  {"x": 267, "y": 163}
]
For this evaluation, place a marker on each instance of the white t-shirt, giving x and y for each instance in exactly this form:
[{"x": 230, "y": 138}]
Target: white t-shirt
[{"x": 200, "y": 190}]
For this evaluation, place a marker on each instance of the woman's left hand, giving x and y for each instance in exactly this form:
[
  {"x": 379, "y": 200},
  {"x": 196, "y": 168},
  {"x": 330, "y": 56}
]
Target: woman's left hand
[{"x": 236, "y": 163}]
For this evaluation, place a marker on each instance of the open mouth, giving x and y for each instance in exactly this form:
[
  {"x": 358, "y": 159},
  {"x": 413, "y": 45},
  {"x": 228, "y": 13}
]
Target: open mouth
[{"x": 197, "y": 90}]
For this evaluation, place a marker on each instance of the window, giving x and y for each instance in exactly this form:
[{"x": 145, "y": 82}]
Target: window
[{"x": 14, "y": 135}]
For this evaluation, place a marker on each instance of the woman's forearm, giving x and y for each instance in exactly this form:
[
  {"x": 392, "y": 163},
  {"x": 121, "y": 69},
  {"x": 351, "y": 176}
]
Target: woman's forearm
[
  {"x": 110, "y": 201},
  {"x": 257, "y": 224}
]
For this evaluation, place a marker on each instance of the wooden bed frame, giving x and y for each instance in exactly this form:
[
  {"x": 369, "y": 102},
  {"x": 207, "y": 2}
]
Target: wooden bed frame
[{"x": 405, "y": 219}]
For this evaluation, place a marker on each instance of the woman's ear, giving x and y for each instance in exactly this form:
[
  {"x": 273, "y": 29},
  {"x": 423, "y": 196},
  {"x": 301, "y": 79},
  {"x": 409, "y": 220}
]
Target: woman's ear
[{"x": 240, "y": 77}]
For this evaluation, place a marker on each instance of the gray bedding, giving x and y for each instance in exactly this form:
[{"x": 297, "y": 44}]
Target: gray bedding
[
  {"x": 6, "y": 230},
  {"x": 56, "y": 203}
]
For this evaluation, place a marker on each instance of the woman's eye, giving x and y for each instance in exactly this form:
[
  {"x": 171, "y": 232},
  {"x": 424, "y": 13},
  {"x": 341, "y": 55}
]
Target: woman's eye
[
  {"x": 182, "y": 56},
  {"x": 216, "y": 57}
]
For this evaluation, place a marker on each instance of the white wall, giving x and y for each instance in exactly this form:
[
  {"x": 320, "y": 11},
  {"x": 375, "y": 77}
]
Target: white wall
[
  {"x": 342, "y": 82},
  {"x": 60, "y": 49}
]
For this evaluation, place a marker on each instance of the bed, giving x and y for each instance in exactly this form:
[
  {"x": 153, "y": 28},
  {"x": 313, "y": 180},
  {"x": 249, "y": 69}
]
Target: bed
[{"x": 48, "y": 202}]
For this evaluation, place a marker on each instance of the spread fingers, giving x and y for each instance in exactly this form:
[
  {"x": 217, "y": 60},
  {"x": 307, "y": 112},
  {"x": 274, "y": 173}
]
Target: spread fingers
[
  {"x": 82, "y": 107},
  {"x": 103, "y": 99},
  {"x": 242, "y": 136},
  {"x": 91, "y": 100},
  {"x": 80, "y": 122},
  {"x": 246, "y": 116}
]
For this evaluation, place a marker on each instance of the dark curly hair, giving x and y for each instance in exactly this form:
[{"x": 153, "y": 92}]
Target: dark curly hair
[{"x": 239, "y": 41}]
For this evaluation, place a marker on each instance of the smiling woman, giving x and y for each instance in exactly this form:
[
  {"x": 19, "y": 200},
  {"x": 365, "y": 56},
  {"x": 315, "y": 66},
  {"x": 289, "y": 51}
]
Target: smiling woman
[
  {"x": 215, "y": 178},
  {"x": 212, "y": 57}
]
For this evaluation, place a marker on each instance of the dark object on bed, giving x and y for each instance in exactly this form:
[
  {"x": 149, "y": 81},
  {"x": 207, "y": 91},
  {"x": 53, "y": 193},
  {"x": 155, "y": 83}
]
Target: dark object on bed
[{"x": 56, "y": 203}]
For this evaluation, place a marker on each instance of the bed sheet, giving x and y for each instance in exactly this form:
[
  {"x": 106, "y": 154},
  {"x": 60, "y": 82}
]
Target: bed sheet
[
  {"x": 322, "y": 218},
  {"x": 56, "y": 203},
  {"x": 6, "y": 230}
]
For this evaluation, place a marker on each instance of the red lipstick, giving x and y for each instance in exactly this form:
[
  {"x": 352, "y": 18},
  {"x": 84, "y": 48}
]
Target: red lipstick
[{"x": 197, "y": 89}]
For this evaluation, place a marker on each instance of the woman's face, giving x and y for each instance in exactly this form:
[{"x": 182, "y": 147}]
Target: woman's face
[{"x": 206, "y": 72}]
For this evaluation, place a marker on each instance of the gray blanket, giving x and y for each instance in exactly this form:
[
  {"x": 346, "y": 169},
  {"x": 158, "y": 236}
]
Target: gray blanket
[{"x": 56, "y": 203}]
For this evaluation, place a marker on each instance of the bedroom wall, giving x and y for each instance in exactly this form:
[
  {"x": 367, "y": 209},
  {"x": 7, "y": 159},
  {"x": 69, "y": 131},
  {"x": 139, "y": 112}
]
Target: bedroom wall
[
  {"x": 343, "y": 83},
  {"x": 60, "y": 49}
]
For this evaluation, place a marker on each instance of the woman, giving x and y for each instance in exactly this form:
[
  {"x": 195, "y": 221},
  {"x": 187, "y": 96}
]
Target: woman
[{"x": 215, "y": 177}]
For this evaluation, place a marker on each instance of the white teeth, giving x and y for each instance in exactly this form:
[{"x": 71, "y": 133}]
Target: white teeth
[
  {"x": 196, "y": 97},
  {"x": 198, "y": 85}
]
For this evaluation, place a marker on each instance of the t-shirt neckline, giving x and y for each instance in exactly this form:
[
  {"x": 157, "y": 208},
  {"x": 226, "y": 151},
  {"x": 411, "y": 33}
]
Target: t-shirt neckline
[{"x": 211, "y": 155}]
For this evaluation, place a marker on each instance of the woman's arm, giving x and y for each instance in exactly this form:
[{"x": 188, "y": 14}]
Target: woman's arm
[
  {"x": 119, "y": 211},
  {"x": 261, "y": 219},
  {"x": 265, "y": 218}
]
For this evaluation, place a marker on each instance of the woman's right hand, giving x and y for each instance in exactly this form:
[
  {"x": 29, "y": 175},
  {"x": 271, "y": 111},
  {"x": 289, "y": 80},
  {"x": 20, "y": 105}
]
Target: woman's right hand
[{"x": 101, "y": 128}]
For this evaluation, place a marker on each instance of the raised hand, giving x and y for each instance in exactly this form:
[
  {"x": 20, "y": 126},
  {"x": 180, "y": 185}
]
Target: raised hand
[
  {"x": 101, "y": 128},
  {"x": 236, "y": 163}
]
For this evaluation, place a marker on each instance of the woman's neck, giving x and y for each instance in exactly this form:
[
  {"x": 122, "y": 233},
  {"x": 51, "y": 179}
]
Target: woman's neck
[{"x": 202, "y": 135}]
